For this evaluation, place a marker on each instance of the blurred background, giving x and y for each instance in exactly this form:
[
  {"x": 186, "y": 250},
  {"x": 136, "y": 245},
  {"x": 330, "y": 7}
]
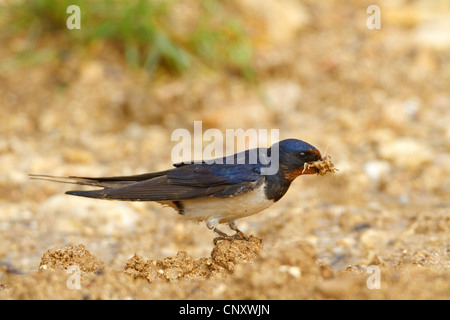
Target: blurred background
[{"x": 104, "y": 99}]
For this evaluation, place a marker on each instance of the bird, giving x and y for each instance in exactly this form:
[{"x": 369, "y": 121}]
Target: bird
[{"x": 216, "y": 192}]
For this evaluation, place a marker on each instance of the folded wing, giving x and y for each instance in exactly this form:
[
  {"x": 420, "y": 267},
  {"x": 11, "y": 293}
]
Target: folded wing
[{"x": 188, "y": 181}]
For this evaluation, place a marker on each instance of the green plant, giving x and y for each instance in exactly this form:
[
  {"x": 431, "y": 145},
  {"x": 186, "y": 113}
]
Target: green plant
[{"x": 139, "y": 29}]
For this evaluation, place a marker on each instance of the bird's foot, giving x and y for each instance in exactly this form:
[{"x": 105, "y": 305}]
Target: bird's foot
[{"x": 239, "y": 235}]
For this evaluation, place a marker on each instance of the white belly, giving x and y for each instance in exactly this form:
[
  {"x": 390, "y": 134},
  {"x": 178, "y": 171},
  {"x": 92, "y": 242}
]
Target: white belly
[{"x": 222, "y": 210}]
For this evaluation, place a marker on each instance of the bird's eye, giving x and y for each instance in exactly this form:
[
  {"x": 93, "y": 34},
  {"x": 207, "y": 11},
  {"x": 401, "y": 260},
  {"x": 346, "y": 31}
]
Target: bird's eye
[{"x": 302, "y": 155}]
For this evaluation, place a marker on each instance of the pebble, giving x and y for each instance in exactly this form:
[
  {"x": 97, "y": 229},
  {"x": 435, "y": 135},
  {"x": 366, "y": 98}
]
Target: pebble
[
  {"x": 377, "y": 170},
  {"x": 406, "y": 152}
]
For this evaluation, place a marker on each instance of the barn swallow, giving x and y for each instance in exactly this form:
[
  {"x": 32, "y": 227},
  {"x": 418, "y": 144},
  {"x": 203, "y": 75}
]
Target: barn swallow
[{"x": 215, "y": 192}]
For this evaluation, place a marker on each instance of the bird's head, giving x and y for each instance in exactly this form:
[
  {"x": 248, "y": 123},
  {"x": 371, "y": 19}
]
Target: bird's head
[{"x": 293, "y": 155}]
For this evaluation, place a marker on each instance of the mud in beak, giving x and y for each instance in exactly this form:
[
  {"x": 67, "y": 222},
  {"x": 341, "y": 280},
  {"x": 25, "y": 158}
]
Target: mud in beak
[
  {"x": 310, "y": 168},
  {"x": 321, "y": 166}
]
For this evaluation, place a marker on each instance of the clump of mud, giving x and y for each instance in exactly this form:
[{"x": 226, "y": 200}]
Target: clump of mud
[
  {"x": 225, "y": 256},
  {"x": 223, "y": 260},
  {"x": 64, "y": 258}
]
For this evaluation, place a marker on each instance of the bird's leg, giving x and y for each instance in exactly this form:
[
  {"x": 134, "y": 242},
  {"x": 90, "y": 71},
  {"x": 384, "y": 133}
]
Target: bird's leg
[
  {"x": 220, "y": 233},
  {"x": 212, "y": 225},
  {"x": 239, "y": 234},
  {"x": 222, "y": 236}
]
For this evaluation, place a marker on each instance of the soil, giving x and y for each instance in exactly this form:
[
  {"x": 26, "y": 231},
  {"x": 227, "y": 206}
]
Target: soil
[{"x": 376, "y": 101}]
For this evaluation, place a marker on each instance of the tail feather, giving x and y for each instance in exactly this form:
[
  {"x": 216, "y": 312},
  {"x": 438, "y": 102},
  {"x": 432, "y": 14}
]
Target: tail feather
[
  {"x": 98, "y": 194},
  {"x": 102, "y": 182},
  {"x": 79, "y": 181},
  {"x": 71, "y": 180}
]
